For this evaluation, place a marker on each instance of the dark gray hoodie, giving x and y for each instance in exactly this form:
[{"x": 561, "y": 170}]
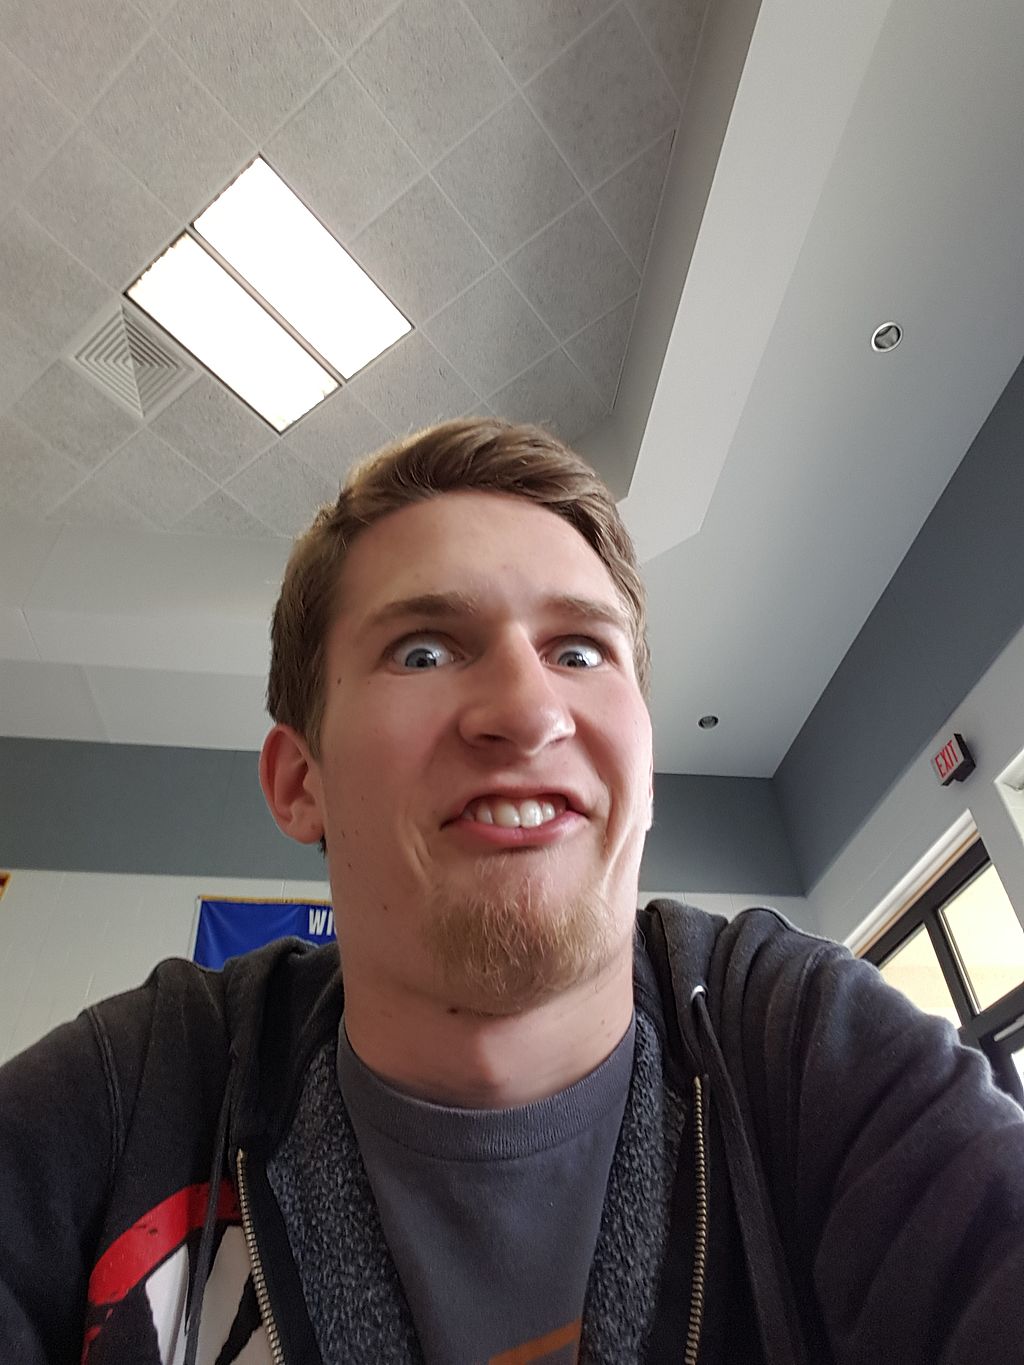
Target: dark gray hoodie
[{"x": 846, "y": 1183}]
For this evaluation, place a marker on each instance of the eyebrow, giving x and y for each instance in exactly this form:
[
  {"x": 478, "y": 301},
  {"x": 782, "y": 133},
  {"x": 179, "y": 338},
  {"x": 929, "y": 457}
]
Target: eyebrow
[{"x": 450, "y": 605}]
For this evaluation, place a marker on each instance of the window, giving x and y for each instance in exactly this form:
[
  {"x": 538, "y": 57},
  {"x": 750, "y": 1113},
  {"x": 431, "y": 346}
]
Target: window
[
  {"x": 987, "y": 937},
  {"x": 915, "y": 970},
  {"x": 959, "y": 952}
]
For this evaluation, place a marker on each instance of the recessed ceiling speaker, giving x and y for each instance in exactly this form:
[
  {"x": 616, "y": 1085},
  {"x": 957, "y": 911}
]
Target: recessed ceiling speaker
[{"x": 887, "y": 337}]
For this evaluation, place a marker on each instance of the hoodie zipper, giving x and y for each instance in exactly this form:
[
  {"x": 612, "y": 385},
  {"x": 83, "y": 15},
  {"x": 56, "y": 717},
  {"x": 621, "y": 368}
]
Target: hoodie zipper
[
  {"x": 258, "y": 1278},
  {"x": 700, "y": 1238}
]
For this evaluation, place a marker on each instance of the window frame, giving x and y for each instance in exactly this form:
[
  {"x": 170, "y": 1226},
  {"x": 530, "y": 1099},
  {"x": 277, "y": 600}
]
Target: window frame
[
  {"x": 991, "y": 1030},
  {"x": 1004, "y": 1043}
]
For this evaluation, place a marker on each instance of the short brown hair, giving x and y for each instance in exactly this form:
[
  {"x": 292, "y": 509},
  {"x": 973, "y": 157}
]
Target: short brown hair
[{"x": 478, "y": 454}]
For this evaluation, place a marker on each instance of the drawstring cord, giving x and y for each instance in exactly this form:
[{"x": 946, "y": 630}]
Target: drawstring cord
[
  {"x": 204, "y": 1256},
  {"x": 780, "y": 1334}
]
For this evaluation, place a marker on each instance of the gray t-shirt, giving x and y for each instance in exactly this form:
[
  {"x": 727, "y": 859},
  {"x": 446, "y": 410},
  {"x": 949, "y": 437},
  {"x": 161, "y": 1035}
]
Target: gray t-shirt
[{"x": 491, "y": 1216}]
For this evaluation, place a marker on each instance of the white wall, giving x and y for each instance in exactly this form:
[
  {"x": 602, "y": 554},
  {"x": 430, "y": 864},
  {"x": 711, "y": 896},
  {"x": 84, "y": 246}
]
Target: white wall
[
  {"x": 917, "y": 812},
  {"x": 68, "y": 939}
]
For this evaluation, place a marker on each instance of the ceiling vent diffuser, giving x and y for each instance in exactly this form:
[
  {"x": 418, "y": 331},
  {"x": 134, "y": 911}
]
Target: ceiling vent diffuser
[{"x": 132, "y": 364}]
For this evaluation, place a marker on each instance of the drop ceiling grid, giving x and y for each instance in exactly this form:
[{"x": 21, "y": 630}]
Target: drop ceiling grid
[{"x": 577, "y": 344}]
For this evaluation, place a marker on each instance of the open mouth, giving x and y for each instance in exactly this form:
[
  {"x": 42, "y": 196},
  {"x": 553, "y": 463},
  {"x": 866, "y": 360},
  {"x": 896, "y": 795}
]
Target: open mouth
[{"x": 529, "y": 813}]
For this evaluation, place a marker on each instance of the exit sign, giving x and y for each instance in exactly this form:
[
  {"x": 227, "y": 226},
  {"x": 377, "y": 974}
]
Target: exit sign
[{"x": 953, "y": 762}]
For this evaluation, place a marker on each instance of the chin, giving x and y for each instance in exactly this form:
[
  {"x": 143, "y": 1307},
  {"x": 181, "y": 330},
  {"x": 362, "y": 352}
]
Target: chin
[{"x": 513, "y": 943}]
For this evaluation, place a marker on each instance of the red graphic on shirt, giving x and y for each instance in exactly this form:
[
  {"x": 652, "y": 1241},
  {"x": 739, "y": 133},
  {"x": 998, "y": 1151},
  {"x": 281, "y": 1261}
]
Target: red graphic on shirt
[
  {"x": 138, "y": 1291},
  {"x": 152, "y": 1239}
]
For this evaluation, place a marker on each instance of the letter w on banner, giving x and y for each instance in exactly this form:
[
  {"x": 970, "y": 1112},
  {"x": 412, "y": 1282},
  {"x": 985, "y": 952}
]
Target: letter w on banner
[{"x": 227, "y": 927}]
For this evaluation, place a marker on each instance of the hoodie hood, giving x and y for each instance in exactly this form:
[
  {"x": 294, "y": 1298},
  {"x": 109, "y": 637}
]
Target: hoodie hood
[{"x": 281, "y": 1003}]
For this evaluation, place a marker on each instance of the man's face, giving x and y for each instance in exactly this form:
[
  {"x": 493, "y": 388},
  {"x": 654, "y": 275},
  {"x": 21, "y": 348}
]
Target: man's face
[{"x": 485, "y": 767}]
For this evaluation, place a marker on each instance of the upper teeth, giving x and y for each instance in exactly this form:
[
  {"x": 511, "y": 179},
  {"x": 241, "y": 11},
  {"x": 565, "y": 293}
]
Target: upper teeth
[{"x": 513, "y": 814}]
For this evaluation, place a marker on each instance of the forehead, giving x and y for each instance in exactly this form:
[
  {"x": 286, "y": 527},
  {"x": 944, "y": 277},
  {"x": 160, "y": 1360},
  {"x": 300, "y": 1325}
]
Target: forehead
[{"x": 492, "y": 544}]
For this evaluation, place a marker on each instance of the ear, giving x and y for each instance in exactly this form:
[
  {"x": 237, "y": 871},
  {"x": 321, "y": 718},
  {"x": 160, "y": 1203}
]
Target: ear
[
  {"x": 290, "y": 778},
  {"x": 650, "y": 794}
]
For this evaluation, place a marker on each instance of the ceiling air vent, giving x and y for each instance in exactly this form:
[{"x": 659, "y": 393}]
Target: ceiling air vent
[{"x": 127, "y": 359}]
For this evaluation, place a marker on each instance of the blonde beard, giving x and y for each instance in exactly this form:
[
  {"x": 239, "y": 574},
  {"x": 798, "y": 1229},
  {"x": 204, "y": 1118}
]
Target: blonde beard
[{"x": 501, "y": 953}]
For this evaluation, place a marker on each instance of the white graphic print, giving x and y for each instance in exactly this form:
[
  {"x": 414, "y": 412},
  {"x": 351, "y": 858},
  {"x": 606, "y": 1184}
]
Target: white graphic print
[{"x": 166, "y": 1290}]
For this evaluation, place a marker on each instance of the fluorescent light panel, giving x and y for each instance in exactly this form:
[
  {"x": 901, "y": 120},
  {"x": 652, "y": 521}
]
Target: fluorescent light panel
[
  {"x": 269, "y": 236},
  {"x": 198, "y": 302}
]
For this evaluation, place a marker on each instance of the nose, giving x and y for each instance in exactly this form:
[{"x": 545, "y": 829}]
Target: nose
[{"x": 514, "y": 700}]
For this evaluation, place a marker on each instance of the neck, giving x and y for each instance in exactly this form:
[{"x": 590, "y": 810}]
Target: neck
[{"x": 452, "y": 1056}]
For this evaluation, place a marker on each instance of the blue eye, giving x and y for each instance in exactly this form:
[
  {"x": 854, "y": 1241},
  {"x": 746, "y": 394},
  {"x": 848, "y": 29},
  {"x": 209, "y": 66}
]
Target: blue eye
[
  {"x": 579, "y": 654},
  {"x": 422, "y": 652}
]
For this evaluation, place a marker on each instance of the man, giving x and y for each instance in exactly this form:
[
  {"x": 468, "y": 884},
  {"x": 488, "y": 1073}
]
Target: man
[{"x": 523, "y": 1123}]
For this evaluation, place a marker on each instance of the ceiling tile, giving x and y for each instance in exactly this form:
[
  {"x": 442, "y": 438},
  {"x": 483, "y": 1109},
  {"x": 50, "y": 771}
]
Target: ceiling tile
[
  {"x": 605, "y": 99},
  {"x": 432, "y": 73},
  {"x": 42, "y": 289},
  {"x": 342, "y": 158},
  {"x": 221, "y": 515},
  {"x": 281, "y": 491},
  {"x": 574, "y": 271},
  {"x": 672, "y": 27},
  {"x": 24, "y": 549},
  {"x": 169, "y": 131},
  {"x": 32, "y": 125},
  {"x": 346, "y": 25},
  {"x": 420, "y": 252},
  {"x": 72, "y": 48},
  {"x": 411, "y": 386},
  {"x": 335, "y": 435},
  {"x": 152, "y": 477},
  {"x": 33, "y": 477},
  {"x": 21, "y": 360},
  {"x": 507, "y": 178},
  {"x": 92, "y": 504},
  {"x": 213, "y": 429},
  {"x": 47, "y": 701},
  {"x": 528, "y": 33},
  {"x": 629, "y": 201},
  {"x": 16, "y": 641},
  {"x": 600, "y": 349},
  {"x": 73, "y": 416},
  {"x": 99, "y": 211},
  {"x": 490, "y": 333},
  {"x": 553, "y": 394},
  {"x": 261, "y": 58}
]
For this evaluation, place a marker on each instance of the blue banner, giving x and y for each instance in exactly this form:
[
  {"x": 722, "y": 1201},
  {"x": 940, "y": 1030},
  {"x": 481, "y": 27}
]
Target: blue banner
[{"x": 227, "y": 928}]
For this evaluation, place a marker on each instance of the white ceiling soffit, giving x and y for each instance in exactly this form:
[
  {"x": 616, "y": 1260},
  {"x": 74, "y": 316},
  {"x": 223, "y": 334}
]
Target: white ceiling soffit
[
  {"x": 134, "y": 637},
  {"x": 802, "y": 76},
  {"x": 835, "y": 455}
]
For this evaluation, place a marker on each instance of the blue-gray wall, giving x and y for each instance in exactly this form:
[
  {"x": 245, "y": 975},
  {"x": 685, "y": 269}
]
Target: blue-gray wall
[
  {"x": 128, "y": 808},
  {"x": 951, "y": 607},
  {"x": 718, "y": 834},
  {"x": 71, "y": 806}
]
